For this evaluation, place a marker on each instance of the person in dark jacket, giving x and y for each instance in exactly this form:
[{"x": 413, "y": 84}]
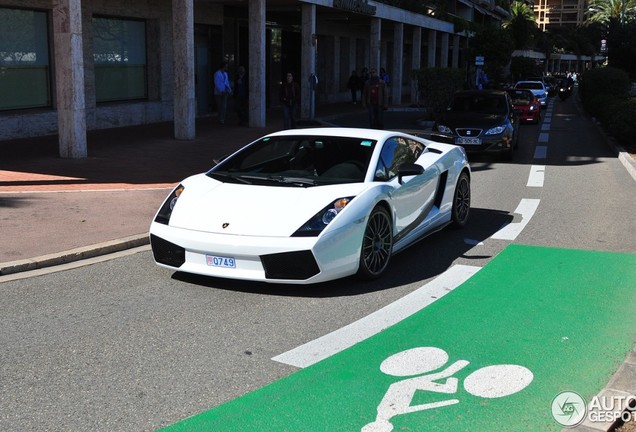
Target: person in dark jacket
[
  {"x": 289, "y": 99},
  {"x": 376, "y": 98},
  {"x": 354, "y": 85},
  {"x": 241, "y": 92}
]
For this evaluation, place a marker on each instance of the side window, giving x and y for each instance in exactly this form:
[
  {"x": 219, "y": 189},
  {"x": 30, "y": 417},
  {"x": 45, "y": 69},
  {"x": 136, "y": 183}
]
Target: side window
[
  {"x": 24, "y": 59},
  {"x": 395, "y": 152},
  {"x": 120, "y": 59}
]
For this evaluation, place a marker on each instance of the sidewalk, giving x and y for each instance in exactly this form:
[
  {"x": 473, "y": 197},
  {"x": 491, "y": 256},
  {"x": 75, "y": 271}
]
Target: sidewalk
[{"x": 55, "y": 210}]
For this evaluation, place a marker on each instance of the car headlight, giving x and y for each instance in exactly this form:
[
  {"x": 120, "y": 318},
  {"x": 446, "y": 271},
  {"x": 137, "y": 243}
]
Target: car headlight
[
  {"x": 320, "y": 220},
  {"x": 444, "y": 129},
  {"x": 496, "y": 130},
  {"x": 163, "y": 216},
  {"x": 533, "y": 107}
]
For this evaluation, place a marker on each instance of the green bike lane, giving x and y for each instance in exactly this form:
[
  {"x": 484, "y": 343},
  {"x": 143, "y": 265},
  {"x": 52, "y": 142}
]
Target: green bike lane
[{"x": 490, "y": 355}]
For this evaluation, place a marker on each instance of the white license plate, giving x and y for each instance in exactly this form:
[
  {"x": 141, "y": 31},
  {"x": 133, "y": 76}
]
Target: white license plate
[
  {"x": 469, "y": 141},
  {"x": 220, "y": 261}
]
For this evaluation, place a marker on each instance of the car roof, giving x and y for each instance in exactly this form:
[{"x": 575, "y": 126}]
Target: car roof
[
  {"x": 530, "y": 81},
  {"x": 375, "y": 134},
  {"x": 480, "y": 93}
]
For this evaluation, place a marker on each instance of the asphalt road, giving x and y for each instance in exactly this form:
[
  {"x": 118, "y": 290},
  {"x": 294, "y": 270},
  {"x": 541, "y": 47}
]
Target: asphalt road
[{"x": 126, "y": 345}]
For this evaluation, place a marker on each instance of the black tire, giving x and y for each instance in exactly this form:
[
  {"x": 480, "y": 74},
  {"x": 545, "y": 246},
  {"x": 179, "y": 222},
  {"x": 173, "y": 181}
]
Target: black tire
[
  {"x": 461, "y": 202},
  {"x": 377, "y": 244}
]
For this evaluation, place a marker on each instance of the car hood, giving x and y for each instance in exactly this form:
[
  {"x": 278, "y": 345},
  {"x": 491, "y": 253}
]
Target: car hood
[
  {"x": 211, "y": 206},
  {"x": 471, "y": 120}
]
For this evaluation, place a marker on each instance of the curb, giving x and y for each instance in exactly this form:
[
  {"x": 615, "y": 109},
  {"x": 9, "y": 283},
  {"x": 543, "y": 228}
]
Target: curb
[
  {"x": 628, "y": 162},
  {"x": 72, "y": 255},
  {"x": 623, "y": 385}
]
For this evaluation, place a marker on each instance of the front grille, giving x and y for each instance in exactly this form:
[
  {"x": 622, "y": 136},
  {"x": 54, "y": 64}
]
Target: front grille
[
  {"x": 298, "y": 265},
  {"x": 468, "y": 132},
  {"x": 167, "y": 253}
]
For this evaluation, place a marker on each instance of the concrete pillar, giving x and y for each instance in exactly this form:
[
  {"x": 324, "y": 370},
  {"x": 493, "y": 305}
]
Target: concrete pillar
[
  {"x": 183, "y": 65},
  {"x": 374, "y": 43},
  {"x": 308, "y": 43},
  {"x": 353, "y": 55},
  {"x": 455, "y": 60},
  {"x": 256, "y": 67},
  {"x": 69, "y": 72},
  {"x": 432, "y": 48},
  {"x": 444, "y": 51},
  {"x": 416, "y": 60},
  {"x": 335, "y": 77},
  {"x": 384, "y": 49},
  {"x": 398, "y": 54}
]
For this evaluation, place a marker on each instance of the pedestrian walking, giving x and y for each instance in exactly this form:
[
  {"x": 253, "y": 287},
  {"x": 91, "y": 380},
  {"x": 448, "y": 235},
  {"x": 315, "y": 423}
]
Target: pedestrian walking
[
  {"x": 241, "y": 93},
  {"x": 354, "y": 84},
  {"x": 376, "y": 98},
  {"x": 222, "y": 90},
  {"x": 289, "y": 99},
  {"x": 384, "y": 76}
]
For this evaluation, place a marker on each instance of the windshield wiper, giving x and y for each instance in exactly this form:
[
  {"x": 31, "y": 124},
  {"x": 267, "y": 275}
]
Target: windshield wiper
[
  {"x": 304, "y": 181},
  {"x": 223, "y": 175},
  {"x": 296, "y": 181}
]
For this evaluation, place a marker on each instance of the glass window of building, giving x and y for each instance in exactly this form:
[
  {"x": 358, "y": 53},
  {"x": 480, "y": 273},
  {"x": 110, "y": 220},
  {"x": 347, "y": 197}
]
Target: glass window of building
[
  {"x": 119, "y": 53},
  {"x": 24, "y": 59}
]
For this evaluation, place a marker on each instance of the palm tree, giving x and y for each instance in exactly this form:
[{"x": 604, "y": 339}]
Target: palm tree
[
  {"x": 522, "y": 24},
  {"x": 608, "y": 11},
  {"x": 618, "y": 17}
]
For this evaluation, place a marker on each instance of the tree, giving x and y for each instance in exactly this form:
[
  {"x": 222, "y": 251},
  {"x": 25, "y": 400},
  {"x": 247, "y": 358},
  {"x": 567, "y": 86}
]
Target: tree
[
  {"x": 521, "y": 25},
  {"x": 608, "y": 11},
  {"x": 619, "y": 20},
  {"x": 496, "y": 45}
]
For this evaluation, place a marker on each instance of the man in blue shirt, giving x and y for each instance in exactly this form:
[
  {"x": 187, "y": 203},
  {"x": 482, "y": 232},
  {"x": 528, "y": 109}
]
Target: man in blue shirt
[{"x": 222, "y": 90}]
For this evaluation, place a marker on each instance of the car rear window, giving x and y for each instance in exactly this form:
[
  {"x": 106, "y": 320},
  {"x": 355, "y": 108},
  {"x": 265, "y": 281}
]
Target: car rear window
[{"x": 530, "y": 85}]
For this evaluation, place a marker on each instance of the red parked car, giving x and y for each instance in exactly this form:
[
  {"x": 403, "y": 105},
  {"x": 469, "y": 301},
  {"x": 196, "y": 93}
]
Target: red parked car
[{"x": 526, "y": 105}]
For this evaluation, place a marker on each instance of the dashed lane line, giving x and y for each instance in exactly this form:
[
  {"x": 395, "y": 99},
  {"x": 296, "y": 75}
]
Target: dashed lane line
[{"x": 526, "y": 209}]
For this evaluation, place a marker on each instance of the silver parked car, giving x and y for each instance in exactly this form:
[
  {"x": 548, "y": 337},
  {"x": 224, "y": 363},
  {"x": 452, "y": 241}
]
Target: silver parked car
[{"x": 538, "y": 88}]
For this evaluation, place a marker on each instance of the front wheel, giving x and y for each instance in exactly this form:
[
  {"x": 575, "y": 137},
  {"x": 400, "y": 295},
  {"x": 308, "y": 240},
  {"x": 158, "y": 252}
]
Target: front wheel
[
  {"x": 461, "y": 202},
  {"x": 377, "y": 244}
]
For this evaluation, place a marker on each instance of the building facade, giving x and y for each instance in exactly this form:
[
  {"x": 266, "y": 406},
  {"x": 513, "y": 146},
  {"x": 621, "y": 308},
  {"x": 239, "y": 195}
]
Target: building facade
[
  {"x": 69, "y": 66},
  {"x": 559, "y": 13}
]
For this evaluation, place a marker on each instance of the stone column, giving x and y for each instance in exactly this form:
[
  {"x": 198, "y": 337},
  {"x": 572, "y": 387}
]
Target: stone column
[
  {"x": 256, "y": 68},
  {"x": 398, "y": 53},
  {"x": 375, "y": 43},
  {"x": 183, "y": 67},
  {"x": 416, "y": 59},
  {"x": 335, "y": 73},
  {"x": 69, "y": 71},
  {"x": 308, "y": 59},
  {"x": 432, "y": 48},
  {"x": 455, "y": 59},
  {"x": 444, "y": 51}
]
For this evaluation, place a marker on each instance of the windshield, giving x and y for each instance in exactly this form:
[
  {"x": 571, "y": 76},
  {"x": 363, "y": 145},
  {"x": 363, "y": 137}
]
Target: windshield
[
  {"x": 521, "y": 97},
  {"x": 298, "y": 161},
  {"x": 488, "y": 104}
]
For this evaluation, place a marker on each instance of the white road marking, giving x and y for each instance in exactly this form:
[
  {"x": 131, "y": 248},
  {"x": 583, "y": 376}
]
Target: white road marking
[
  {"x": 545, "y": 126},
  {"x": 536, "y": 177},
  {"x": 473, "y": 242},
  {"x": 345, "y": 337},
  {"x": 540, "y": 152},
  {"x": 526, "y": 209},
  {"x": 543, "y": 137}
]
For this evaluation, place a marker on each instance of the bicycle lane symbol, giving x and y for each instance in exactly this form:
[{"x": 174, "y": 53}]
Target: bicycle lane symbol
[{"x": 488, "y": 382}]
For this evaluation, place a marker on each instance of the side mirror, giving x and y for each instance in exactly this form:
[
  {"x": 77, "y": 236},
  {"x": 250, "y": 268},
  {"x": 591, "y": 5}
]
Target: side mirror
[{"x": 409, "y": 169}]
